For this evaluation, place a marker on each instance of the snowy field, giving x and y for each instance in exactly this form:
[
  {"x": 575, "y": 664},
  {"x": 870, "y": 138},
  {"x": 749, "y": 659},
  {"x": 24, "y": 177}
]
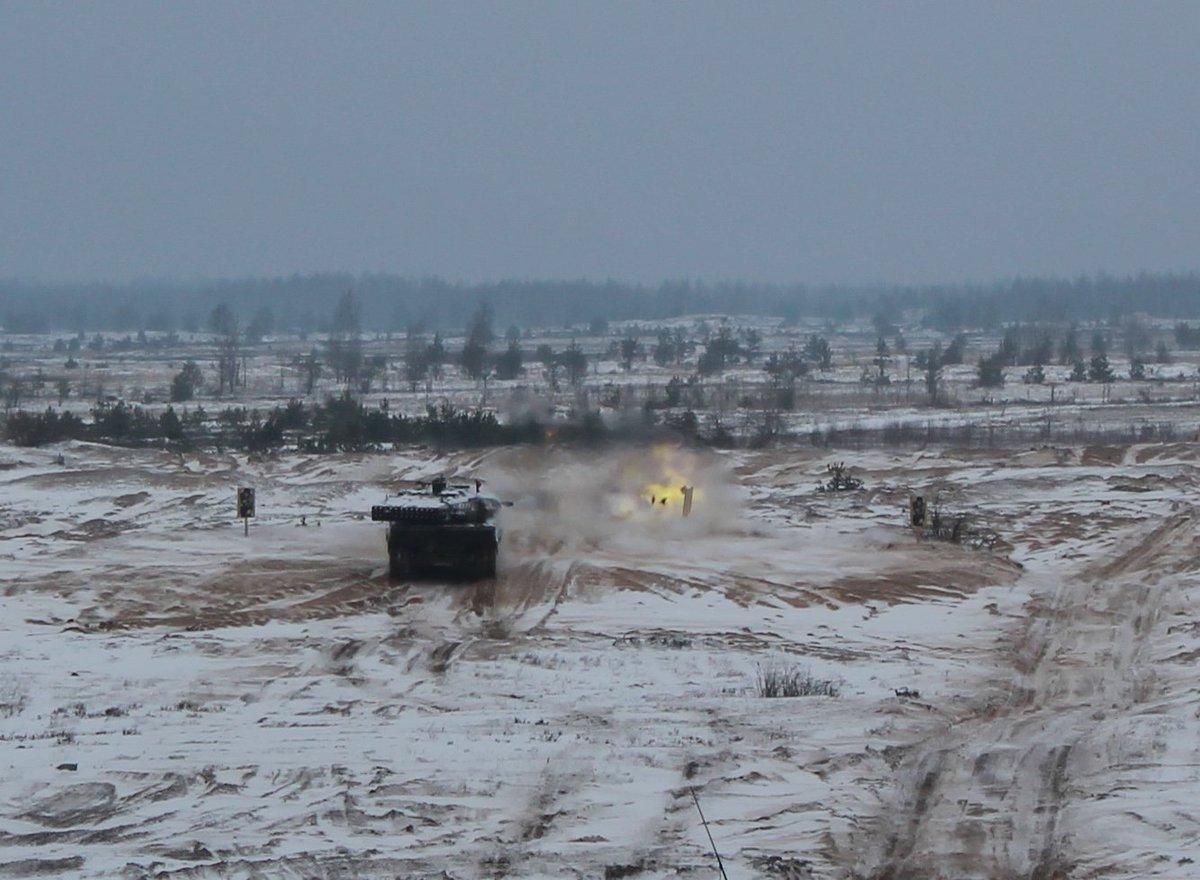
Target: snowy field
[
  {"x": 34, "y": 375},
  {"x": 177, "y": 700},
  {"x": 180, "y": 700}
]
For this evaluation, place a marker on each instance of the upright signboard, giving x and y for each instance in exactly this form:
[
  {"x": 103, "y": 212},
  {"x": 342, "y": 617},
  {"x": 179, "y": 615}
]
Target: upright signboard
[
  {"x": 688, "y": 493},
  {"x": 916, "y": 511},
  {"x": 245, "y": 506}
]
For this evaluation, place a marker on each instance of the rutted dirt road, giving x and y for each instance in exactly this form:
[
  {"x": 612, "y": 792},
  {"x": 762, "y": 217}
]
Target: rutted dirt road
[{"x": 1003, "y": 792}]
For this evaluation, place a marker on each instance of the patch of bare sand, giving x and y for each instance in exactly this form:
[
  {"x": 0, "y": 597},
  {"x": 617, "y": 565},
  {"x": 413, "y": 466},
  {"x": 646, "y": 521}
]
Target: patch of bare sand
[
  {"x": 1182, "y": 452},
  {"x": 1058, "y": 528},
  {"x": 247, "y": 593},
  {"x": 1169, "y": 548},
  {"x": 901, "y": 571},
  {"x": 923, "y": 571},
  {"x": 1103, "y": 455}
]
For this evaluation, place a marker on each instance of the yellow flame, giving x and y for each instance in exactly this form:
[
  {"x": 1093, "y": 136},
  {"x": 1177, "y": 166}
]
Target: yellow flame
[{"x": 660, "y": 478}]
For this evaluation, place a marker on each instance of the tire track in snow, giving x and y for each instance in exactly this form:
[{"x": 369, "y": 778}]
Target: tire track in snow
[{"x": 989, "y": 796}]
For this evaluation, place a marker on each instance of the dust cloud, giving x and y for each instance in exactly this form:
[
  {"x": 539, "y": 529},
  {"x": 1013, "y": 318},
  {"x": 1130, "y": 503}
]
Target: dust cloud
[{"x": 579, "y": 501}]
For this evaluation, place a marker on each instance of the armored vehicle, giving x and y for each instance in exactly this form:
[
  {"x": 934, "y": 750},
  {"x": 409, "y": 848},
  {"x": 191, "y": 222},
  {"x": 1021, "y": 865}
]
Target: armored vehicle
[{"x": 441, "y": 530}]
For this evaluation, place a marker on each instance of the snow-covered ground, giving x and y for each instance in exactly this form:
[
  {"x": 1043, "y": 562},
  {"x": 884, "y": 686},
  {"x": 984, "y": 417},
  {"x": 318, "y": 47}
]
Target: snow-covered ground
[
  {"x": 179, "y": 700},
  {"x": 838, "y": 395}
]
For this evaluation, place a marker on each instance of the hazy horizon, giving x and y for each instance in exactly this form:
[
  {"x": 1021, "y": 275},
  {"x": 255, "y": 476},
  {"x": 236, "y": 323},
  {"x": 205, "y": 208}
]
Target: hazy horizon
[
  {"x": 814, "y": 144},
  {"x": 952, "y": 285}
]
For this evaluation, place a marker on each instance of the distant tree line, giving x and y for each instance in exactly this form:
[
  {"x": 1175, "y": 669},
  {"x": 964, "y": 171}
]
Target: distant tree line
[
  {"x": 1036, "y": 346},
  {"x": 339, "y": 424},
  {"x": 391, "y": 304}
]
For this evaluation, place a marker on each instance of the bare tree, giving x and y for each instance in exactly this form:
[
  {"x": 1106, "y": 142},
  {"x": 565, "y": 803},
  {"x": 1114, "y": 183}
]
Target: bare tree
[
  {"x": 479, "y": 335},
  {"x": 345, "y": 340},
  {"x": 310, "y": 368},
  {"x": 224, "y": 325}
]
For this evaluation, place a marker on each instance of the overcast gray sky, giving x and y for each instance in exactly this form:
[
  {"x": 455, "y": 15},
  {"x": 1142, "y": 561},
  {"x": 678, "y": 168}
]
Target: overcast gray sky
[{"x": 902, "y": 142}]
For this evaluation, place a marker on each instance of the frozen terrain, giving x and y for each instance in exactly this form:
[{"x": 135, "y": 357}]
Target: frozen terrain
[{"x": 178, "y": 700}]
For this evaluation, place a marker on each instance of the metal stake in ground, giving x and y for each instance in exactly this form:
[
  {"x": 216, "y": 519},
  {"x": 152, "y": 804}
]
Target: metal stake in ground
[
  {"x": 245, "y": 507},
  {"x": 711, "y": 842}
]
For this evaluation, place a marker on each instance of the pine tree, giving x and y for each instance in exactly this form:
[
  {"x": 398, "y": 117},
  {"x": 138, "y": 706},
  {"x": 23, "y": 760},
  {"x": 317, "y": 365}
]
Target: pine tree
[
  {"x": 991, "y": 370},
  {"x": 509, "y": 365},
  {"x": 1099, "y": 370}
]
